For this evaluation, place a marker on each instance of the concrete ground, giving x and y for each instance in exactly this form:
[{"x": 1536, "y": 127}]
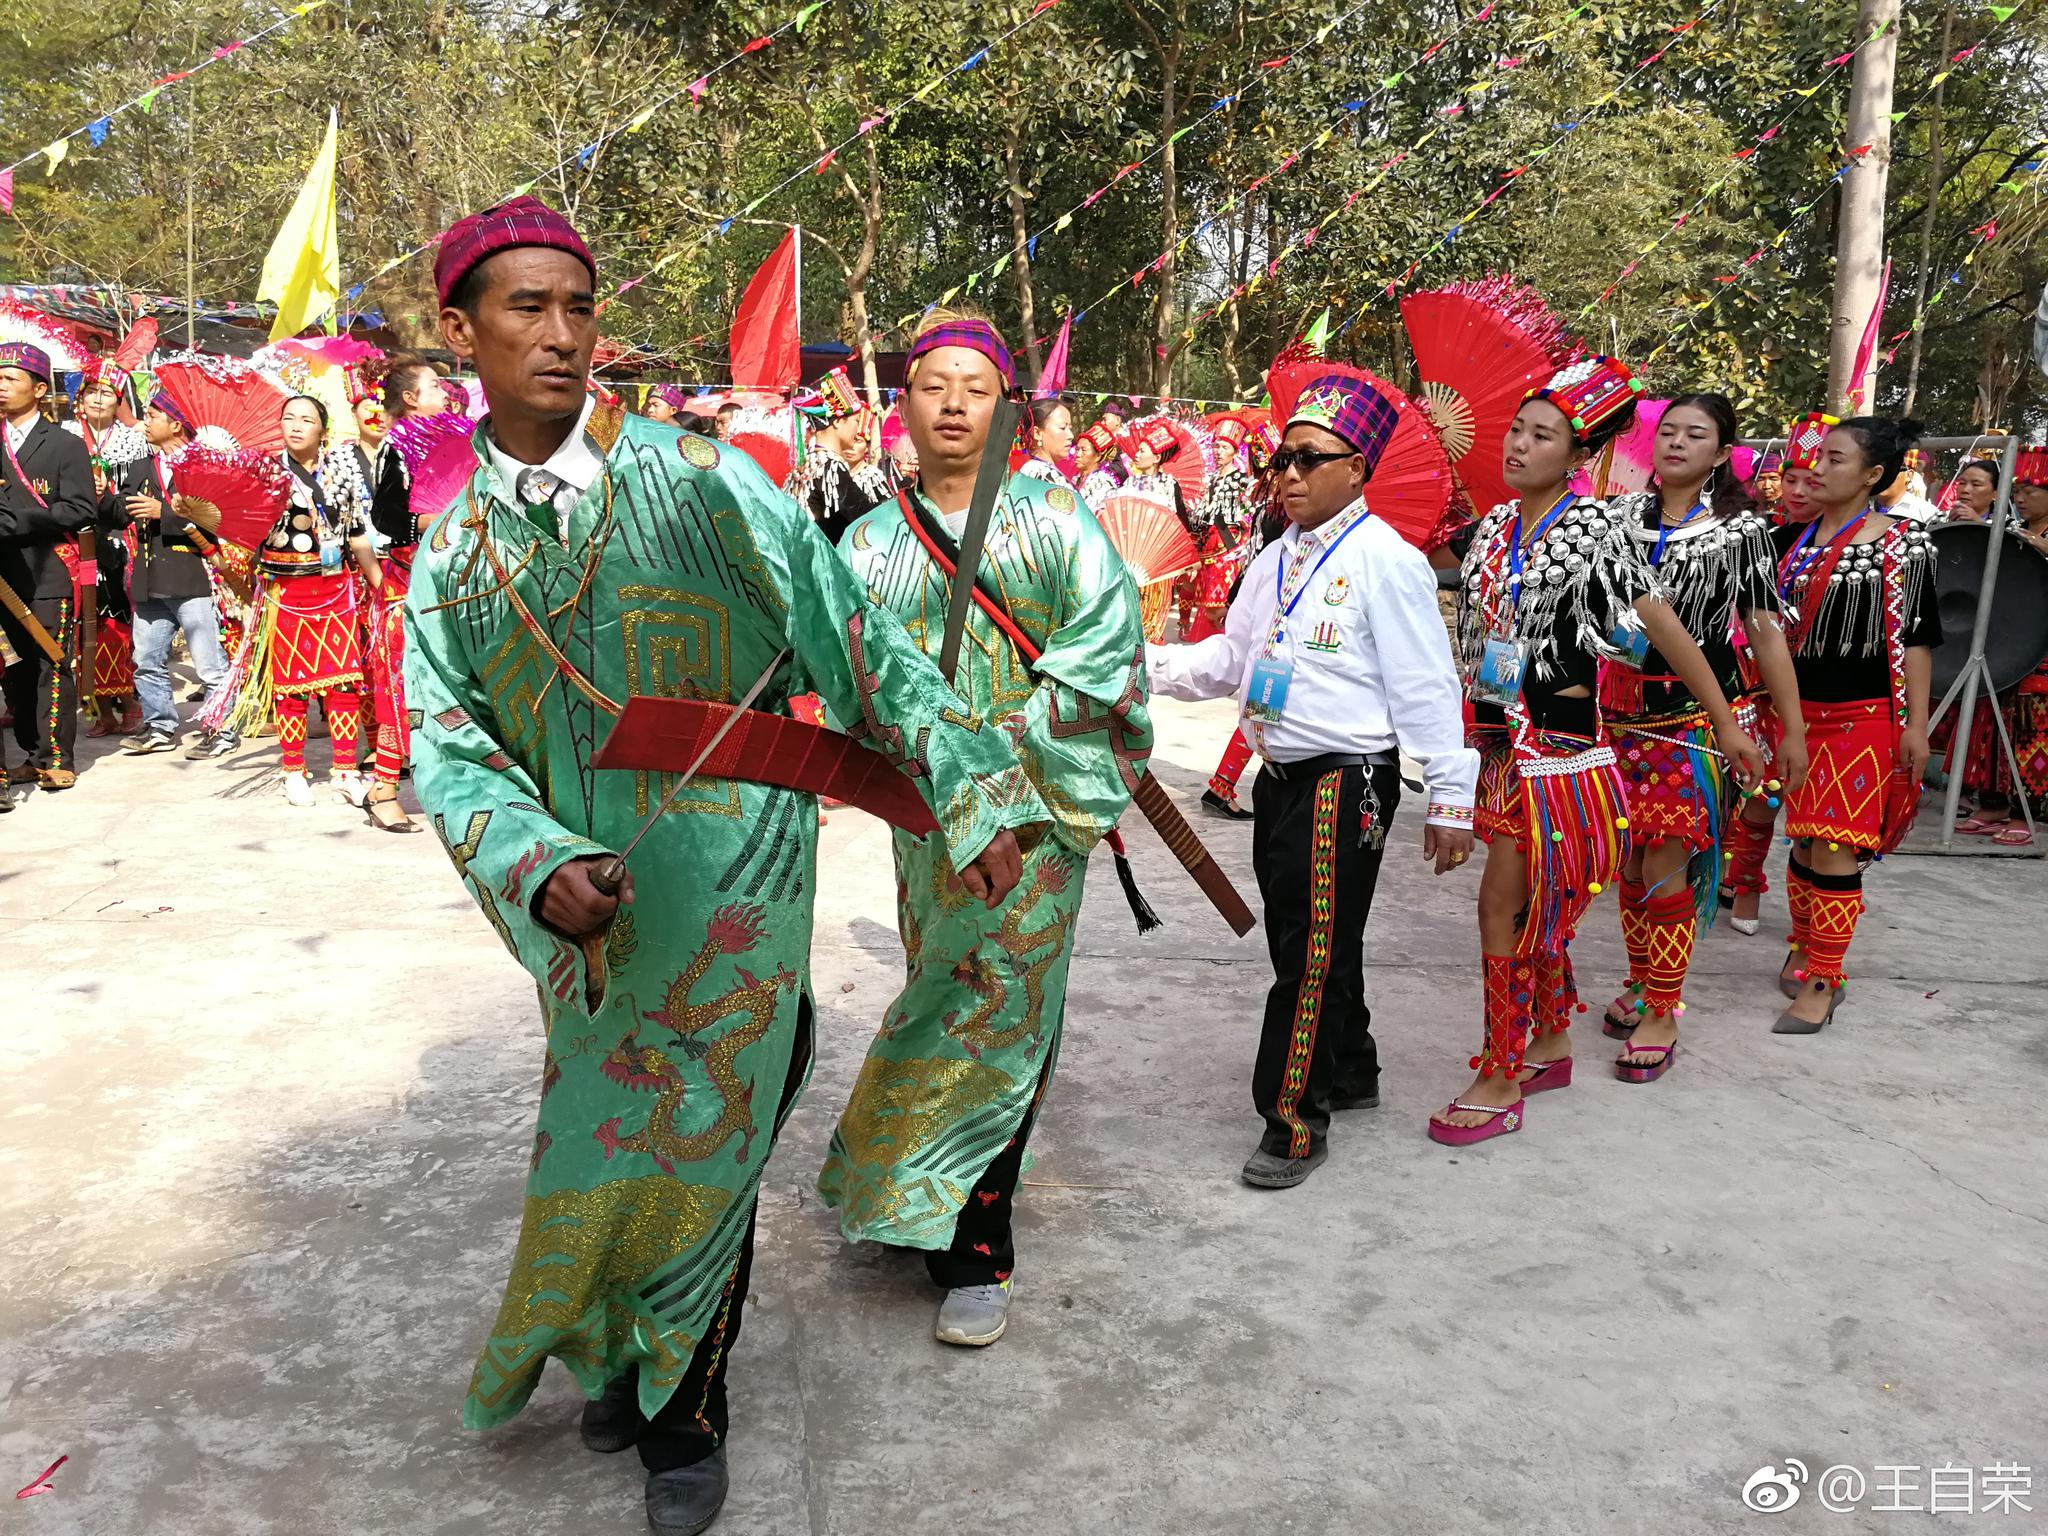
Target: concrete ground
[{"x": 262, "y": 1149}]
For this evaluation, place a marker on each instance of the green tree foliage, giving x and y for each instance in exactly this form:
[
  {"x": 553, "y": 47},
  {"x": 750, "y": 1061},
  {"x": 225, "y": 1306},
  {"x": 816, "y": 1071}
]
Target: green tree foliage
[{"x": 1214, "y": 111}]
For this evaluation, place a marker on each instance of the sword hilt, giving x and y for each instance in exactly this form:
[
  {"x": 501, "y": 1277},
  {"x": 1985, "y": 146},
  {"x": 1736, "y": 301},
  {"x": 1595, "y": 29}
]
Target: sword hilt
[{"x": 610, "y": 876}]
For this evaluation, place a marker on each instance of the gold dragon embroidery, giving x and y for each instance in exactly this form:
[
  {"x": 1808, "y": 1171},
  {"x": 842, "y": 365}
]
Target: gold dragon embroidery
[
  {"x": 983, "y": 975},
  {"x": 733, "y": 930}
]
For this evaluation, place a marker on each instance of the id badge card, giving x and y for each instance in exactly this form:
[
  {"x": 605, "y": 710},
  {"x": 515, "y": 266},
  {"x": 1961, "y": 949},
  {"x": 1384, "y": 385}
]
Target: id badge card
[
  {"x": 1265, "y": 695},
  {"x": 330, "y": 554},
  {"x": 1632, "y": 641},
  {"x": 1498, "y": 679}
]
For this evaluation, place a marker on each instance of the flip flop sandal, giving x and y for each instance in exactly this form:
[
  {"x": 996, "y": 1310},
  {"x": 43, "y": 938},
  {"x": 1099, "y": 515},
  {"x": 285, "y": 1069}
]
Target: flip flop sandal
[
  {"x": 1618, "y": 1028},
  {"x": 1628, "y": 1072},
  {"x": 1506, "y": 1118},
  {"x": 2013, "y": 837},
  {"x": 1549, "y": 1074},
  {"x": 1790, "y": 1023},
  {"x": 1970, "y": 826}
]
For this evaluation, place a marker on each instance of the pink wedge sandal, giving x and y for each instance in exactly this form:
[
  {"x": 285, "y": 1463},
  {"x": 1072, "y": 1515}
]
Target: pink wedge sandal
[
  {"x": 1549, "y": 1074},
  {"x": 1506, "y": 1118},
  {"x": 1649, "y": 1074}
]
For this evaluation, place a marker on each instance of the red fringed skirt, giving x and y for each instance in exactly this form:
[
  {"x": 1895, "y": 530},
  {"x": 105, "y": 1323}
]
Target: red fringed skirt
[
  {"x": 1562, "y": 799},
  {"x": 315, "y": 642},
  {"x": 1677, "y": 786},
  {"x": 1854, "y": 793},
  {"x": 387, "y": 652},
  {"x": 2029, "y": 723}
]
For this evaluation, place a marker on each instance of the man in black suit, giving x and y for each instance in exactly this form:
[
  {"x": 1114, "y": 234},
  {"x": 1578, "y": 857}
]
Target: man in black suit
[
  {"x": 168, "y": 584},
  {"x": 46, "y": 496}
]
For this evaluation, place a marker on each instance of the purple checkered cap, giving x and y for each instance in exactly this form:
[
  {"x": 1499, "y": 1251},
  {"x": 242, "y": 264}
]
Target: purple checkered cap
[
  {"x": 976, "y": 334},
  {"x": 29, "y": 359},
  {"x": 1352, "y": 409},
  {"x": 470, "y": 242}
]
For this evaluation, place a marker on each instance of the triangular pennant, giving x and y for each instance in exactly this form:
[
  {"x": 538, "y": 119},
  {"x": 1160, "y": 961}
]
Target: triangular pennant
[
  {"x": 96, "y": 130},
  {"x": 54, "y": 152}
]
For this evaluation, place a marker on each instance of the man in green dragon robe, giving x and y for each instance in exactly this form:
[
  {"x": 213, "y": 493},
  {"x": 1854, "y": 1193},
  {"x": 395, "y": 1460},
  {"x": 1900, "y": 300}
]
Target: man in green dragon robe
[
  {"x": 931, "y": 1146},
  {"x": 591, "y": 557}
]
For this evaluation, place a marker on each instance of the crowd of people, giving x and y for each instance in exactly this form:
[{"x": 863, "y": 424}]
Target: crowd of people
[{"x": 1632, "y": 690}]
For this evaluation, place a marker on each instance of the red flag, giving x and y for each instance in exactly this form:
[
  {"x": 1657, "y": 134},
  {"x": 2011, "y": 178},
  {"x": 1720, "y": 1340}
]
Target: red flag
[
  {"x": 1868, "y": 346},
  {"x": 766, "y": 345}
]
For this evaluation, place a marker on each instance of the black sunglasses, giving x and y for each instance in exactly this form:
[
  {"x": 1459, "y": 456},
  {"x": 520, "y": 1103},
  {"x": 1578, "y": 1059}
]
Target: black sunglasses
[{"x": 1304, "y": 459}]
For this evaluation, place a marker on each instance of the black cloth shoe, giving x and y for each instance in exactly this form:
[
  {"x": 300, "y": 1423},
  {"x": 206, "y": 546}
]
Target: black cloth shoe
[
  {"x": 613, "y": 1421},
  {"x": 1370, "y": 1099},
  {"x": 685, "y": 1500},
  {"x": 1216, "y": 805},
  {"x": 1269, "y": 1170},
  {"x": 151, "y": 740}
]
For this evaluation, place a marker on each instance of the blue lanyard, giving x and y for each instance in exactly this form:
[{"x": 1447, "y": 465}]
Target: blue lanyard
[
  {"x": 1280, "y": 571},
  {"x": 1515, "y": 555},
  {"x": 1665, "y": 530},
  {"x": 1786, "y": 584}
]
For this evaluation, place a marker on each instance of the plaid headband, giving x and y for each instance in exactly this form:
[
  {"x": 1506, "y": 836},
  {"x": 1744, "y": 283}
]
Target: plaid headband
[
  {"x": 161, "y": 401},
  {"x": 978, "y": 335}
]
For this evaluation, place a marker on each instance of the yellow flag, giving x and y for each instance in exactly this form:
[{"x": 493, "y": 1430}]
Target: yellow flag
[{"x": 302, "y": 273}]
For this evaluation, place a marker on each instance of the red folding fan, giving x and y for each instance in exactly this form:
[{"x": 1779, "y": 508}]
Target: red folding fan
[
  {"x": 238, "y": 496},
  {"x": 1412, "y": 484},
  {"x": 1155, "y": 547},
  {"x": 223, "y": 397},
  {"x": 769, "y": 450},
  {"x": 1192, "y": 463},
  {"x": 1480, "y": 347}
]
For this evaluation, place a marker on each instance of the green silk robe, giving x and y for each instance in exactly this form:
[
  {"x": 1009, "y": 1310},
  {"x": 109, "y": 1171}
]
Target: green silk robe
[
  {"x": 962, "y": 1049},
  {"x": 685, "y": 572}
]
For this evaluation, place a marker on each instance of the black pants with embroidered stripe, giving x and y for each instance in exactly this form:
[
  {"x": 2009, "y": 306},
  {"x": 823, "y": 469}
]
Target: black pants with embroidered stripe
[
  {"x": 691, "y": 1424},
  {"x": 42, "y": 694},
  {"x": 1316, "y": 849}
]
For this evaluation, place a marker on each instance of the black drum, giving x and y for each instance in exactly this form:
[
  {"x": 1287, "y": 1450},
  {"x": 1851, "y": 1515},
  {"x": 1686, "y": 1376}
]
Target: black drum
[{"x": 2017, "y": 641}]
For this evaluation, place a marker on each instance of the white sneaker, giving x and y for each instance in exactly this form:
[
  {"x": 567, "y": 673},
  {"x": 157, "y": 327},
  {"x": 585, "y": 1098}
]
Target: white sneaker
[
  {"x": 352, "y": 787},
  {"x": 974, "y": 1315},
  {"x": 298, "y": 789}
]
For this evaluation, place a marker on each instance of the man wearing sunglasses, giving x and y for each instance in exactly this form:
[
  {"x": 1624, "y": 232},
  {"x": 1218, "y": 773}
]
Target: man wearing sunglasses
[{"x": 1337, "y": 652}]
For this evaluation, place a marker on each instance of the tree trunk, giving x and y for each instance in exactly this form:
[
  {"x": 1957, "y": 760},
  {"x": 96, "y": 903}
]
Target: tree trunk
[
  {"x": 1948, "y": 29},
  {"x": 1169, "y": 219},
  {"x": 1859, "y": 251},
  {"x": 1020, "y": 241}
]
